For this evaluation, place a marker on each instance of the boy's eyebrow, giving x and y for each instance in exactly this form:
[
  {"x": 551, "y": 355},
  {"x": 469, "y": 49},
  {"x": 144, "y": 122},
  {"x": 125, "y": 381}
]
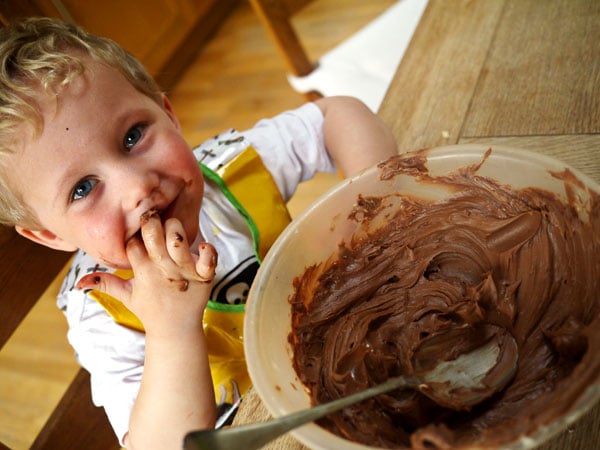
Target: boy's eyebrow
[{"x": 65, "y": 175}]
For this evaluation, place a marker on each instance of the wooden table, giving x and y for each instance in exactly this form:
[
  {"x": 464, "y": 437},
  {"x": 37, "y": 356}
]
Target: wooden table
[{"x": 522, "y": 73}]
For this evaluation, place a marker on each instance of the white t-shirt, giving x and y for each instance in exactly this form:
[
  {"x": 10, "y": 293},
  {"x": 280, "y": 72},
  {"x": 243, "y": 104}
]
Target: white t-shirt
[{"x": 292, "y": 148}]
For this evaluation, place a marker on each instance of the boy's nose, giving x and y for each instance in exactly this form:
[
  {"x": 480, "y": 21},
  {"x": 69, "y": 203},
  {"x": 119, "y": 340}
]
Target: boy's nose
[{"x": 138, "y": 186}]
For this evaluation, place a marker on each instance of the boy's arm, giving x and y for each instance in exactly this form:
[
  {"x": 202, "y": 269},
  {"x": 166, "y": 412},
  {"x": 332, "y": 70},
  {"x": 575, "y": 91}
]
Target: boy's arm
[
  {"x": 176, "y": 394},
  {"x": 169, "y": 293},
  {"x": 354, "y": 136}
]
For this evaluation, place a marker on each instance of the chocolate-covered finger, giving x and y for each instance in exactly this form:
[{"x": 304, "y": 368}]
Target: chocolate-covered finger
[
  {"x": 135, "y": 250},
  {"x": 177, "y": 245},
  {"x": 207, "y": 262},
  {"x": 153, "y": 235}
]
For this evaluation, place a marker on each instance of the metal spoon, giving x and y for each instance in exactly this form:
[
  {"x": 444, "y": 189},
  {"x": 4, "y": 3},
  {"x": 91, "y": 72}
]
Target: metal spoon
[{"x": 458, "y": 384}]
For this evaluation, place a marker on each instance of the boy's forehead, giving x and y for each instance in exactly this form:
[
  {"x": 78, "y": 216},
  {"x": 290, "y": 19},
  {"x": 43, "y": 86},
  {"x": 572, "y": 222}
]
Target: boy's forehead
[
  {"x": 84, "y": 107},
  {"x": 98, "y": 89},
  {"x": 49, "y": 99},
  {"x": 97, "y": 79}
]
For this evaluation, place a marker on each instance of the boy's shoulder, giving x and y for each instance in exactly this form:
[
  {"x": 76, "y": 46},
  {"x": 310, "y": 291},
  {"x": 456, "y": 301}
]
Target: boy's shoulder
[
  {"x": 219, "y": 150},
  {"x": 272, "y": 138}
]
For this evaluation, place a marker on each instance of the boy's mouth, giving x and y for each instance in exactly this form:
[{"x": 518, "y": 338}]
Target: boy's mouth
[
  {"x": 167, "y": 213},
  {"x": 145, "y": 217},
  {"x": 162, "y": 213}
]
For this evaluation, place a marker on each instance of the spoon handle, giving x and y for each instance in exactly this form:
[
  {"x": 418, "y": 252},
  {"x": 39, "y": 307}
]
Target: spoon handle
[{"x": 254, "y": 436}]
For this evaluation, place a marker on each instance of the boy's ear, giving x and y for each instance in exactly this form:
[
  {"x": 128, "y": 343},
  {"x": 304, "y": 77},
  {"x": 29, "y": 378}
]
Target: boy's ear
[
  {"x": 170, "y": 111},
  {"x": 47, "y": 238}
]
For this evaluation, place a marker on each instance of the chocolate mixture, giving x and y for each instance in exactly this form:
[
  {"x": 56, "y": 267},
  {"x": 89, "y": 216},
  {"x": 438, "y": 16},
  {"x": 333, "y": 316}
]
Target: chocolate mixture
[{"x": 521, "y": 260}]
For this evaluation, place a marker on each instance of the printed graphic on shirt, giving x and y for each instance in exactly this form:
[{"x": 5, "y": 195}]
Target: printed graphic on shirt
[
  {"x": 218, "y": 150},
  {"x": 233, "y": 288}
]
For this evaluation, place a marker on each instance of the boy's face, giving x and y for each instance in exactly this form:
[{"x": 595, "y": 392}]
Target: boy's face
[{"x": 106, "y": 154}]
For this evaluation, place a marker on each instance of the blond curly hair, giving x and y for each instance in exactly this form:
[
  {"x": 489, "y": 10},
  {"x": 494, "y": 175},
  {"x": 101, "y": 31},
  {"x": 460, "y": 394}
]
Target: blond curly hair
[{"x": 40, "y": 56}]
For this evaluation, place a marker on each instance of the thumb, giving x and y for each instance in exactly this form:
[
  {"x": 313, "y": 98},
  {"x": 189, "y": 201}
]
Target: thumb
[{"x": 108, "y": 283}]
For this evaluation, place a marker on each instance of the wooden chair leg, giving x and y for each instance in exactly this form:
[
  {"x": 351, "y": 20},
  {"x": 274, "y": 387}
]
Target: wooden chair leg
[
  {"x": 76, "y": 423},
  {"x": 311, "y": 96}
]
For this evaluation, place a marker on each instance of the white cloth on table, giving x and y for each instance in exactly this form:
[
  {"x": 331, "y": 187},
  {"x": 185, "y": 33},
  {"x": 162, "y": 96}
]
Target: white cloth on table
[{"x": 364, "y": 64}]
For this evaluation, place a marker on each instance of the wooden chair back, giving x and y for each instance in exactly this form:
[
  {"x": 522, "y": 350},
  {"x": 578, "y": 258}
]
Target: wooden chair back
[
  {"x": 276, "y": 18},
  {"x": 26, "y": 270}
]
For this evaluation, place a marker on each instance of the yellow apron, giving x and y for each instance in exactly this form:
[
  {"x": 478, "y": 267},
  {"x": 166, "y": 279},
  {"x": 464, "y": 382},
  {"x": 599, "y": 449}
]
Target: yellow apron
[{"x": 249, "y": 186}]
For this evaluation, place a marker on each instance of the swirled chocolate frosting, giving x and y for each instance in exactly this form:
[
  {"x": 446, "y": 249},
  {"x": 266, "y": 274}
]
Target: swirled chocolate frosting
[{"x": 488, "y": 254}]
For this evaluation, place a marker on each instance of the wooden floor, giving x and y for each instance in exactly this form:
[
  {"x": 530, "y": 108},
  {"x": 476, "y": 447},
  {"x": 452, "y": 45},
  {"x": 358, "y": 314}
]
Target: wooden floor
[{"x": 236, "y": 80}]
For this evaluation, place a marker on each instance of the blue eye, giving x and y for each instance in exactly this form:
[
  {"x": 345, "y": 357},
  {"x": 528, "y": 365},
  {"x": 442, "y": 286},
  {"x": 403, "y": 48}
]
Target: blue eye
[
  {"x": 133, "y": 135},
  {"x": 83, "y": 188}
]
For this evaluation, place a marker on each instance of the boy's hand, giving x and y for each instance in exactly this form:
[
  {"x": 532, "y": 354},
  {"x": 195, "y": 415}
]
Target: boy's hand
[{"x": 171, "y": 286}]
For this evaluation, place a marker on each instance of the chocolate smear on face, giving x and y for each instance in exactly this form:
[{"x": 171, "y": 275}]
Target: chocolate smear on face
[{"x": 144, "y": 218}]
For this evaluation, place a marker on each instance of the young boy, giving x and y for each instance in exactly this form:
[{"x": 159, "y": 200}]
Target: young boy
[{"x": 93, "y": 161}]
